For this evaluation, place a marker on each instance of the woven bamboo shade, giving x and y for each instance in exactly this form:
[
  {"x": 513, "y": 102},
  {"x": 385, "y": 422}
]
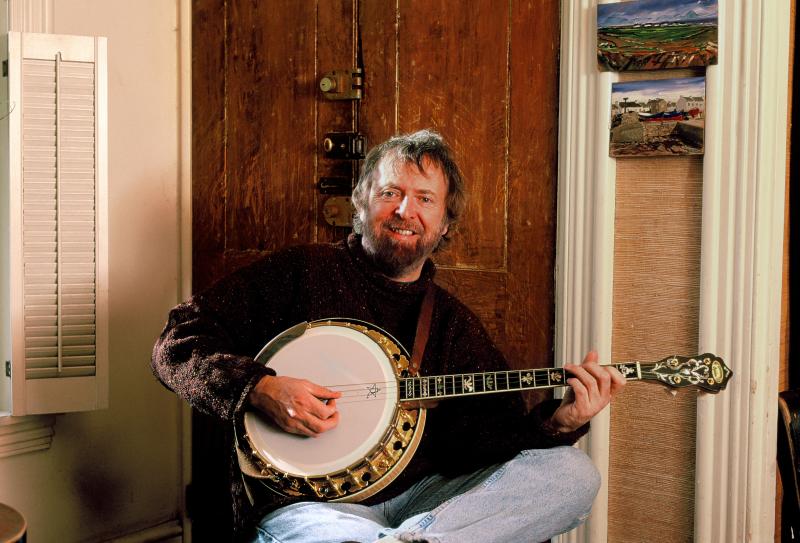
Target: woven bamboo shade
[{"x": 656, "y": 301}]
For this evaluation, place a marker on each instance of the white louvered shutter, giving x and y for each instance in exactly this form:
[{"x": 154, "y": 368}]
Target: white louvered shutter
[{"x": 58, "y": 223}]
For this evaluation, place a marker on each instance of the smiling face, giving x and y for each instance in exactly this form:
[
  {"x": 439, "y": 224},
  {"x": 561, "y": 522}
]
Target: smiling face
[{"x": 405, "y": 216}]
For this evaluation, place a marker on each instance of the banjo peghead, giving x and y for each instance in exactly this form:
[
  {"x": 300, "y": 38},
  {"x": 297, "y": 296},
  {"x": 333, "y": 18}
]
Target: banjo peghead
[{"x": 707, "y": 371}]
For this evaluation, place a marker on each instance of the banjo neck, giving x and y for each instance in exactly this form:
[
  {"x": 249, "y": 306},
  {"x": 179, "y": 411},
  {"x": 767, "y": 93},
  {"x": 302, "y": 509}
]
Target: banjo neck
[
  {"x": 706, "y": 371},
  {"x": 490, "y": 382}
]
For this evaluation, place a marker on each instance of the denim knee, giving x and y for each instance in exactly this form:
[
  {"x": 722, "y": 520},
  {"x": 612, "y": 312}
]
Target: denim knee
[
  {"x": 576, "y": 476},
  {"x": 582, "y": 476}
]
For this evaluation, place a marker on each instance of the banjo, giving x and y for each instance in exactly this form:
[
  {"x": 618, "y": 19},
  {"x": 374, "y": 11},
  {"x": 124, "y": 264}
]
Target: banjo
[{"x": 377, "y": 434}]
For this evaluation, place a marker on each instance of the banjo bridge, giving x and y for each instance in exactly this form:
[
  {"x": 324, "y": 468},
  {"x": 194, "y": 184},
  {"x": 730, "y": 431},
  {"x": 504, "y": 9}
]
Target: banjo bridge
[{"x": 372, "y": 391}]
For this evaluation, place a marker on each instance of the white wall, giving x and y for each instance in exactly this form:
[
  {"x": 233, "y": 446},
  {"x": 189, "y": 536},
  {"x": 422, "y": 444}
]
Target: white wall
[{"x": 118, "y": 470}]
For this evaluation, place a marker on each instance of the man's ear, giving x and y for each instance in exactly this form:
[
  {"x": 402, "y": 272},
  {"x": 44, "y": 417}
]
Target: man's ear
[
  {"x": 359, "y": 216},
  {"x": 445, "y": 228}
]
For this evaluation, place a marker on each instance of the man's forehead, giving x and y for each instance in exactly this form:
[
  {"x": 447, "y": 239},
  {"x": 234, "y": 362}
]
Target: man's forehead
[{"x": 393, "y": 165}]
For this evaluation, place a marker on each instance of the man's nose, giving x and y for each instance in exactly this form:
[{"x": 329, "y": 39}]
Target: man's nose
[{"x": 406, "y": 209}]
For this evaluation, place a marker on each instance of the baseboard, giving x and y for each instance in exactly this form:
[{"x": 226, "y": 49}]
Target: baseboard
[{"x": 167, "y": 532}]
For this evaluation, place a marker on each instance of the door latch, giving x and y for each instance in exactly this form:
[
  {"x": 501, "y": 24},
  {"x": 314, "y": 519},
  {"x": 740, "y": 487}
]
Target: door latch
[
  {"x": 344, "y": 145},
  {"x": 342, "y": 84},
  {"x": 335, "y": 185}
]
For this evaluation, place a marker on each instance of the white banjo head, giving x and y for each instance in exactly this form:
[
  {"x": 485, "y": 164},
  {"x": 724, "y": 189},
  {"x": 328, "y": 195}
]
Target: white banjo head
[{"x": 342, "y": 359}]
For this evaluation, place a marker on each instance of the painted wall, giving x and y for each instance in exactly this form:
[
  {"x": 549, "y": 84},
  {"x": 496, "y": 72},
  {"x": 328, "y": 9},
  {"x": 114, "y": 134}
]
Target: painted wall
[{"x": 118, "y": 470}]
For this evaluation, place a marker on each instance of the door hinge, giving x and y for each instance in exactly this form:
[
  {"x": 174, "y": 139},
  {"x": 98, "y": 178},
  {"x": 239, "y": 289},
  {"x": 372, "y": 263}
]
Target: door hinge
[{"x": 8, "y": 368}]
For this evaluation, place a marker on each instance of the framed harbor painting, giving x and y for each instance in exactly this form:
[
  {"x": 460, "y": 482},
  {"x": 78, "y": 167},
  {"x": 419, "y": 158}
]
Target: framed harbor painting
[
  {"x": 656, "y": 34},
  {"x": 664, "y": 117}
]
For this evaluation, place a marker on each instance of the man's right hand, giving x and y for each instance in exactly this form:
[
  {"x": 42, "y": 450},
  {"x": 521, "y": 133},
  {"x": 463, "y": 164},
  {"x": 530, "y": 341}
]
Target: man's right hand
[{"x": 296, "y": 405}]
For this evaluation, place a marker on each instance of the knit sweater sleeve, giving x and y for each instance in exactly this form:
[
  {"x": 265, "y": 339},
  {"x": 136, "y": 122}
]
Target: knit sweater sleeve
[
  {"x": 205, "y": 352},
  {"x": 487, "y": 428}
]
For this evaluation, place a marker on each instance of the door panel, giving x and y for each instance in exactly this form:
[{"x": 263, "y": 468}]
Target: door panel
[
  {"x": 531, "y": 185},
  {"x": 484, "y": 74},
  {"x": 379, "y": 37},
  {"x": 270, "y": 114},
  {"x": 453, "y": 75},
  {"x": 208, "y": 141}
]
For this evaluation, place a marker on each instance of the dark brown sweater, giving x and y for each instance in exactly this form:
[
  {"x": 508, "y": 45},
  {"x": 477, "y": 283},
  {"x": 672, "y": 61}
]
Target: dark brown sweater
[{"x": 205, "y": 355}]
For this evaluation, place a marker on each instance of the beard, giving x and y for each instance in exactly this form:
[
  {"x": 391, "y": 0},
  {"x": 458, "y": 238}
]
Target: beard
[{"x": 395, "y": 257}]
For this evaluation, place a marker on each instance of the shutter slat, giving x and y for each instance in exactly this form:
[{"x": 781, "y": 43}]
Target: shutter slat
[
  {"x": 67, "y": 320},
  {"x": 51, "y": 352},
  {"x": 48, "y": 373},
  {"x": 72, "y": 330}
]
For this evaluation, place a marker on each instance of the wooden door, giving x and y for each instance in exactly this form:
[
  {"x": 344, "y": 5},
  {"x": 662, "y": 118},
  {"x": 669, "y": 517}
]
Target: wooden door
[{"x": 482, "y": 73}]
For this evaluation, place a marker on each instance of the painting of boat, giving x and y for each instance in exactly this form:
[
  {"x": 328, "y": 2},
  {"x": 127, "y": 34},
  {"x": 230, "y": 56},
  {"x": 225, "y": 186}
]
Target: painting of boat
[{"x": 664, "y": 117}]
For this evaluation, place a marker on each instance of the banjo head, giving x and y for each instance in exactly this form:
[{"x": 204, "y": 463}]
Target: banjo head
[{"x": 354, "y": 459}]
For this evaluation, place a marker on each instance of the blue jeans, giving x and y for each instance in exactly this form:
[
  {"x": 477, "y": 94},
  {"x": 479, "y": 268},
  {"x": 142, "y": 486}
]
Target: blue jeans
[{"x": 534, "y": 496}]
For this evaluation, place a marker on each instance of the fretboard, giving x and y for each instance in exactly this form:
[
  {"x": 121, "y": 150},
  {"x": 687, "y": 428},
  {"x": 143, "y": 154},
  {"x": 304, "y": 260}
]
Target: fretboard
[{"x": 468, "y": 384}]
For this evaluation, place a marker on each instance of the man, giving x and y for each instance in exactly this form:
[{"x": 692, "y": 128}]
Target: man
[{"x": 485, "y": 470}]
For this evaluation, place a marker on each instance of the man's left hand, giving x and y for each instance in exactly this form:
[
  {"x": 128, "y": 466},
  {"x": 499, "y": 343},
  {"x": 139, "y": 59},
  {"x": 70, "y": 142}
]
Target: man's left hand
[{"x": 591, "y": 389}]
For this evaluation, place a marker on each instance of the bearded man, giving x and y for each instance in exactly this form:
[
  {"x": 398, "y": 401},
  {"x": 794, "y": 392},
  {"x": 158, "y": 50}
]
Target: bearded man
[{"x": 485, "y": 469}]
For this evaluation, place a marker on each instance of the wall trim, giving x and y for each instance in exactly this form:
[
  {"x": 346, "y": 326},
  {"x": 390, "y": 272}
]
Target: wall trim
[
  {"x": 741, "y": 265},
  {"x": 585, "y": 231},
  {"x": 185, "y": 233},
  {"x": 31, "y": 15},
  {"x": 165, "y": 532}
]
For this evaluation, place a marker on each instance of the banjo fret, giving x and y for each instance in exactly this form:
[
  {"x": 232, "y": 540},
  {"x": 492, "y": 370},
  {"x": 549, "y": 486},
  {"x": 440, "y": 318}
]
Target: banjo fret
[
  {"x": 502, "y": 380},
  {"x": 440, "y": 386}
]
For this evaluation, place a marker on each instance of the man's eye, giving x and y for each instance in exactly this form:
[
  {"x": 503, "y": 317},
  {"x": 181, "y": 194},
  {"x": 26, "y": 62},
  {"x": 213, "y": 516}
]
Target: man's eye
[{"x": 388, "y": 193}]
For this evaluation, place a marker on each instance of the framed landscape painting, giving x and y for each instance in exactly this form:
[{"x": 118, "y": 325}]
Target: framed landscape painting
[
  {"x": 664, "y": 117},
  {"x": 657, "y": 34}
]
